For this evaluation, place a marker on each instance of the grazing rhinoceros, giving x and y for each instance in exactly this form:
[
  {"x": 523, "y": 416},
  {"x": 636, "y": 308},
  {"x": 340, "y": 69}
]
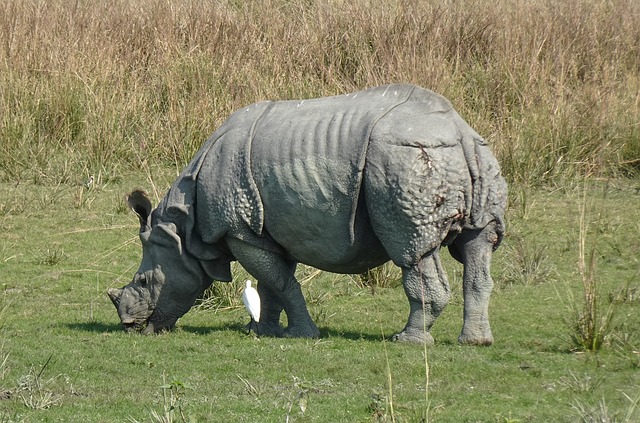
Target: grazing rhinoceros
[{"x": 342, "y": 184}]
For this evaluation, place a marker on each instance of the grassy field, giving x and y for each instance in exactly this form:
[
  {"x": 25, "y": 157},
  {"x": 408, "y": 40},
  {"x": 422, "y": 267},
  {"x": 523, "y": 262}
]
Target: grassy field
[
  {"x": 127, "y": 91},
  {"x": 64, "y": 357},
  {"x": 95, "y": 86}
]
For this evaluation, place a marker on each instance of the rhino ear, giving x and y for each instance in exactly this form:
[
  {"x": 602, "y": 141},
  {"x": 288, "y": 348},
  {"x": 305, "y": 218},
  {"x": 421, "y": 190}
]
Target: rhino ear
[{"x": 140, "y": 203}]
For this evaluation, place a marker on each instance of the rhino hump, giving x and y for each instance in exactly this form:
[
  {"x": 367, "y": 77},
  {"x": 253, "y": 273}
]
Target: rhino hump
[{"x": 316, "y": 147}]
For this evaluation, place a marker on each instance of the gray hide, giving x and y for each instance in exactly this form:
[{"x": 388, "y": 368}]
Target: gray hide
[{"x": 340, "y": 183}]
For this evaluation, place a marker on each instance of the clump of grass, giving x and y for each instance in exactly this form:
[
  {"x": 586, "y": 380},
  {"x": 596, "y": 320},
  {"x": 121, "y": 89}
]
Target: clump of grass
[
  {"x": 52, "y": 256},
  {"x": 386, "y": 276},
  {"x": 629, "y": 352},
  {"x": 628, "y": 294},
  {"x": 121, "y": 206},
  {"x": 593, "y": 322},
  {"x": 600, "y": 412},
  {"x": 300, "y": 397},
  {"x": 225, "y": 295},
  {"x": 173, "y": 403},
  {"x": 4, "y": 355},
  {"x": 38, "y": 392},
  {"x": 526, "y": 263},
  {"x": 593, "y": 414},
  {"x": 378, "y": 407},
  {"x": 221, "y": 296},
  {"x": 250, "y": 387},
  {"x": 581, "y": 384}
]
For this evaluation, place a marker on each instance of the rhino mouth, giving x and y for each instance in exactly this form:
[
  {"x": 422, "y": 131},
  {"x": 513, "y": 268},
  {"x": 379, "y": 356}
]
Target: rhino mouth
[
  {"x": 139, "y": 317},
  {"x": 132, "y": 325},
  {"x": 158, "y": 323},
  {"x": 148, "y": 327}
]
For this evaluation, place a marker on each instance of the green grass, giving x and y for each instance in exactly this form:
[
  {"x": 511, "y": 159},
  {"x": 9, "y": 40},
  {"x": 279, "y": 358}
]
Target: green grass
[
  {"x": 63, "y": 342},
  {"x": 126, "y": 92}
]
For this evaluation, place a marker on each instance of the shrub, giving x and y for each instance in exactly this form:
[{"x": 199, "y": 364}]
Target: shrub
[
  {"x": 88, "y": 86},
  {"x": 593, "y": 322}
]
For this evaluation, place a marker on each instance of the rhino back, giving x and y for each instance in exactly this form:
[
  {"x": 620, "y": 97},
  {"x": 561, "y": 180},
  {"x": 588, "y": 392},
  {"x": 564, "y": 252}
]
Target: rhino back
[
  {"x": 307, "y": 159},
  {"x": 312, "y": 147},
  {"x": 293, "y": 170}
]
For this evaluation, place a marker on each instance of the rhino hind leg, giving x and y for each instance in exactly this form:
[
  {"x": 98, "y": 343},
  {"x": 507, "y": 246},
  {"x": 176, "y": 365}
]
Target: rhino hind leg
[
  {"x": 427, "y": 289},
  {"x": 270, "y": 311},
  {"x": 279, "y": 290},
  {"x": 475, "y": 248}
]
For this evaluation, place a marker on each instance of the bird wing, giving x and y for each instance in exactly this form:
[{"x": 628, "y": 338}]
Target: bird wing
[{"x": 251, "y": 301}]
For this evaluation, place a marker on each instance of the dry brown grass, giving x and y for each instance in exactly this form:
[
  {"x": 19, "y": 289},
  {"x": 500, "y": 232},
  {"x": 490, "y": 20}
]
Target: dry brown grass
[{"x": 94, "y": 86}]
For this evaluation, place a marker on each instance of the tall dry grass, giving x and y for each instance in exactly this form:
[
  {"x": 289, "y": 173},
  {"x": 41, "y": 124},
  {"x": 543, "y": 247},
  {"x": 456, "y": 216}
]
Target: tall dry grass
[{"x": 93, "y": 86}]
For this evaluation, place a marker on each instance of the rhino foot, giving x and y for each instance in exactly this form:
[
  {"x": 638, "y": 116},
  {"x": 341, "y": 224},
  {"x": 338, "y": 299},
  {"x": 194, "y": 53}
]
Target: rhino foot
[
  {"x": 475, "y": 340},
  {"x": 265, "y": 329},
  {"x": 476, "y": 333},
  {"x": 299, "y": 331},
  {"x": 413, "y": 337}
]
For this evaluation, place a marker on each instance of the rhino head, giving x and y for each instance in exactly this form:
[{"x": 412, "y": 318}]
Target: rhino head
[{"x": 168, "y": 281}]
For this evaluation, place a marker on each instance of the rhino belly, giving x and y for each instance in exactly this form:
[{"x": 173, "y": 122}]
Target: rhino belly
[{"x": 311, "y": 217}]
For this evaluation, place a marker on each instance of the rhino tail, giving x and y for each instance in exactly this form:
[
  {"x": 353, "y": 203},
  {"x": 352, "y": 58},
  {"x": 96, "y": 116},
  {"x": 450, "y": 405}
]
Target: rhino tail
[{"x": 489, "y": 193}]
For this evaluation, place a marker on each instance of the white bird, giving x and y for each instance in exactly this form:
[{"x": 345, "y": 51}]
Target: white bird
[
  {"x": 251, "y": 301},
  {"x": 88, "y": 183}
]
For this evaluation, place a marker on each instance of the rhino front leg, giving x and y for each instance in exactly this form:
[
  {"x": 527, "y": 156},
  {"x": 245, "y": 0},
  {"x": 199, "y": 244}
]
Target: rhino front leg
[
  {"x": 474, "y": 248},
  {"x": 277, "y": 282},
  {"x": 427, "y": 289}
]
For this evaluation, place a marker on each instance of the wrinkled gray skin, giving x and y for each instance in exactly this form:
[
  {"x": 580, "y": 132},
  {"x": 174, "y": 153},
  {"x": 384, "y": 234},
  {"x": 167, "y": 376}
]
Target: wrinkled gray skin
[{"x": 342, "y": 184}]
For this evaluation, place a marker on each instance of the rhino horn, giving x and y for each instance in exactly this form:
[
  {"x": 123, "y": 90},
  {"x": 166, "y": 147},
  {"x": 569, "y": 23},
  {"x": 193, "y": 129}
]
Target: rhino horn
[{"x": 115, "y": 295}]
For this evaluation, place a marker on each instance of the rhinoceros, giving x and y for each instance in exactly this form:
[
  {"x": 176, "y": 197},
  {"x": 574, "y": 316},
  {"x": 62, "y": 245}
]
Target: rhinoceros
[{"x": 343, "y": 184}]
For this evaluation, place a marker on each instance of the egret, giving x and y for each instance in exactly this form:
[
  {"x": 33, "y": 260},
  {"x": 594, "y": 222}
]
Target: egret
[
  {"x": 251, "y": 301},
  {"x": 88, "y": 183}
]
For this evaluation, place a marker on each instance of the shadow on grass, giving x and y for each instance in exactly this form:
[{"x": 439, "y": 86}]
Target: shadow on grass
[
  {"x": 241, "y": 328},
  {"x": 100, "y": 327},
  {"x": 94, "y": 327},
  {"x": 205, "y": 330},
  {"x": 325, "y": 333},
  {"x": 353, "y": 336}
]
